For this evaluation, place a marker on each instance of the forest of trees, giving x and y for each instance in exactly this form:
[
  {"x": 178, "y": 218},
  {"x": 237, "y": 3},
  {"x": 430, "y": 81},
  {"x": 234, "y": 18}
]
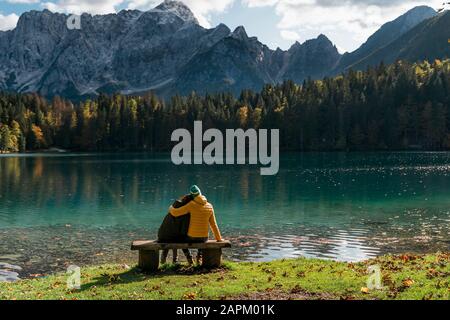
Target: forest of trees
[{"x": 402, "y": 106}]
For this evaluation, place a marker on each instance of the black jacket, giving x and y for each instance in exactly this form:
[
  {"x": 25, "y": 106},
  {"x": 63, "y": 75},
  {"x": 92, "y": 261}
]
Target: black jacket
[{"x": 173, "y": 229}]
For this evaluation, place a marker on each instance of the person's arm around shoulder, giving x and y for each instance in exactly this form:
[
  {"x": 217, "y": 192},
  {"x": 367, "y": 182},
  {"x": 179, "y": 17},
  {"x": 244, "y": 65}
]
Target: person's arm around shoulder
[
  {"x": 177, "y": 212},
  {"x": 214, "y": 227}
]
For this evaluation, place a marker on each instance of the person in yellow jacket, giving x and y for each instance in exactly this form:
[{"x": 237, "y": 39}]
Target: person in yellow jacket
[{"x": 202, "y": 217}]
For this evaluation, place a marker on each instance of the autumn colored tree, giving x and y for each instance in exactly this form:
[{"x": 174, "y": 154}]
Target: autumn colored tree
[
  {"x": 38, "y": 139},
  {"x": 401, "y": 106},
  {"x": 6, "y": 140}
]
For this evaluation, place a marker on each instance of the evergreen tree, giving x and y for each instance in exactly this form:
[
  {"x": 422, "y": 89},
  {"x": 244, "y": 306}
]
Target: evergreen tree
[{"x": 388, "y": 107}]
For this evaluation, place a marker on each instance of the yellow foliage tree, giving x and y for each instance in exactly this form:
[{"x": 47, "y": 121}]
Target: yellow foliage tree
[{"x": 38, "y": 137}]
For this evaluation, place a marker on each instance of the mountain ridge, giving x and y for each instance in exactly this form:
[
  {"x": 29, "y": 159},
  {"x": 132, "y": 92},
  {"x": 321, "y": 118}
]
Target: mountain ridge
[
  {"x": 386, "y": 34},
  {"x": 165, "y": 50},
  {"x": 423, "y": 42}
]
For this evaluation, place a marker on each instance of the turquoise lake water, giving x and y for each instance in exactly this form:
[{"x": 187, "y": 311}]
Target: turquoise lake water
[{"x": 63, "y": 209}]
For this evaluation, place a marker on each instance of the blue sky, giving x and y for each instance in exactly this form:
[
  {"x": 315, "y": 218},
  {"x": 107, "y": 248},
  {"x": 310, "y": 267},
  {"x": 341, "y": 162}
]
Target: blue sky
[{"x": 277, "y": 23}]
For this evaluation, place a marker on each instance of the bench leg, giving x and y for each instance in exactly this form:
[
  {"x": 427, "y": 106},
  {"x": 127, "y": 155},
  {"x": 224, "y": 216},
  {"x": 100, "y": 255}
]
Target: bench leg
[
  {"x": 148, "y": 260},
  {"x": 212, "y": 258}
]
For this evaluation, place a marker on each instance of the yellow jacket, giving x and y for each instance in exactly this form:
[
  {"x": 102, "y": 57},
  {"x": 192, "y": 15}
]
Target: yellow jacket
[{"x": 202, "y": 216}]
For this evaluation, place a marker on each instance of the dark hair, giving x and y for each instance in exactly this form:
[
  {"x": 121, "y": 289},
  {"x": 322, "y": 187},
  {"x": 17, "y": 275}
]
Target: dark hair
[
  {"x": 183, "y": 201},
  {"x": 186, "y": 199}
]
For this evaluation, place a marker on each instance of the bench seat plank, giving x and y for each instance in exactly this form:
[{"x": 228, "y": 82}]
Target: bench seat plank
[{"x": 154, "y": 245}]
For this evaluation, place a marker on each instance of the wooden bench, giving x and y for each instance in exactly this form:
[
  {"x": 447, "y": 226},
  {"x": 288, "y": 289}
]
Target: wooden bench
[{"x": 149, "y": 252}]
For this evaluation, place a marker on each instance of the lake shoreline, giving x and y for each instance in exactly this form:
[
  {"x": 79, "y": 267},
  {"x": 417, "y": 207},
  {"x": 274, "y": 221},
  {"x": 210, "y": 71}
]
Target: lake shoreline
[
  {"x": 59, "y": 151},
  {"x": 407, "y": 276},
  {"x": 68, "y": 209}
]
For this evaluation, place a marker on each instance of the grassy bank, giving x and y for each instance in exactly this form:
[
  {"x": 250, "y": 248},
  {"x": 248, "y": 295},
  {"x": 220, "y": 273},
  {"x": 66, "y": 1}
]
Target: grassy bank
[{"x": 403, "y": 277}]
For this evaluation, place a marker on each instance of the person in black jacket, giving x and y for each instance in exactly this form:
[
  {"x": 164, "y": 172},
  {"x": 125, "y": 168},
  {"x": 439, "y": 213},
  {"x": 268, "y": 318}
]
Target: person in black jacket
[{"x": 174, "y": 230}]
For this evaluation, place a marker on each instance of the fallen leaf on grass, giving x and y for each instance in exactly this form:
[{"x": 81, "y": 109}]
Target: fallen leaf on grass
[
  {"x": 408, "y": 257},
  {"x": 365, "y": 290},
  {"x": 433, "y": 273},
  {"x": 189, "y": 296},
  {"x": 408, "y": 282}
]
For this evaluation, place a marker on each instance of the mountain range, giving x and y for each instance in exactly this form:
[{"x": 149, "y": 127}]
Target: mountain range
[{"x": 166, "y": 50}]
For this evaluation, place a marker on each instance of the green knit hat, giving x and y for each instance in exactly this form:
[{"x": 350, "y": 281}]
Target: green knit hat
[{"x": 195, "y": 191}]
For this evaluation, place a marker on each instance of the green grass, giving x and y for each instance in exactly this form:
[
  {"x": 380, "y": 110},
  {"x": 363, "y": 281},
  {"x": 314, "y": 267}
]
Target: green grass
[{"x": 403, "y": 277}]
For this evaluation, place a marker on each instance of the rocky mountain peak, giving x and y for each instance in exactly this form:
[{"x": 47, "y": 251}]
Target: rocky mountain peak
[
  {"x": 178, "y": 8},
  {"x": 223, "y": 27},
  {"x": 321, "y": 41},
  {"x": 240, "y": 33}
]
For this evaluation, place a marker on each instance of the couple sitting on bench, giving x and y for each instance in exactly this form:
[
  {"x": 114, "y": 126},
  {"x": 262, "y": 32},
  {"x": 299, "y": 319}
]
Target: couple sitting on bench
[{"x": 188, "y": 221}]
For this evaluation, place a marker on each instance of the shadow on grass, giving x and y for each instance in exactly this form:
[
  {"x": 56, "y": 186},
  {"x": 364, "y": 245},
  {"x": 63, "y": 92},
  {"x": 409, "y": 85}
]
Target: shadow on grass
[{"x": 135, "y": 274}]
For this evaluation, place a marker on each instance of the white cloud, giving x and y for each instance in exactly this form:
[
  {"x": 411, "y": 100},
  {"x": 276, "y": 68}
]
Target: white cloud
[
  {"x": 347, "y": 22},
  {"x": 259, "y": 3},
  {"x": 8, "y": 22},
  {"x": 23, "y": 1},
  {"x": 202, "y": 9},
  {"x": 143, "y": 4},
  {"x": 289, "y": 35},
  {"x": 81, "y": 6}
]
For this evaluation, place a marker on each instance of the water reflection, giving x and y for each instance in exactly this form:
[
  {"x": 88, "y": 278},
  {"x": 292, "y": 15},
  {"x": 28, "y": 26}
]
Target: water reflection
[{"x": 86, "y": 208}]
